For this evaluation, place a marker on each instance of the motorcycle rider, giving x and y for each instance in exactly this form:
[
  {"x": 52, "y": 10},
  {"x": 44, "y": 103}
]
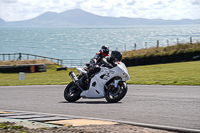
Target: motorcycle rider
[
  {"x": 93, "y": 67},
  {"x": 103, "y": 52},
  {"x": 108, "y": 61}
]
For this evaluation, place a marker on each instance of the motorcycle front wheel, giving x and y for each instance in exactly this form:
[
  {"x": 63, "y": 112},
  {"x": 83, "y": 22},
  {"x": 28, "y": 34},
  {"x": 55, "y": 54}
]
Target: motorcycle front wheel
[
  {"x": 72, "y": 92},
  {"x": 114, "y": 95}
]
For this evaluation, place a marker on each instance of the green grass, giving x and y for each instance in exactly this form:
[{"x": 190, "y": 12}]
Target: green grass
[
  {"x": 8, "y": 125},
  {"x": 40, "y": 78},
  {"x": 184, "y": 73}
]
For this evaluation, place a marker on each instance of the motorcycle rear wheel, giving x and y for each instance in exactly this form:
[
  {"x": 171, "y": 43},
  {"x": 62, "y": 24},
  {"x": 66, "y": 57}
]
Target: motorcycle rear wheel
[
  {"x": 114, "y": 95},
  {"x": 72, "y": 92}
]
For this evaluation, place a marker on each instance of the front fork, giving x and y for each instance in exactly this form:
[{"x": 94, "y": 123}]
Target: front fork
[
  {"x": 116, "y": 83},
  {"x": 113, "y": 88}
]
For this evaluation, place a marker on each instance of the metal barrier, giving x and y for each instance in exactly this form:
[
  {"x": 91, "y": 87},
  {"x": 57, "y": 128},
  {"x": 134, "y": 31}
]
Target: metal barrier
[
  {"x": 62, "y": 62},
  {"x": 74, "y": 62}
]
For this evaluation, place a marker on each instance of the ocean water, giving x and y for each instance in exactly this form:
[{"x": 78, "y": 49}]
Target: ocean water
[{"x": 83, "y": 43}]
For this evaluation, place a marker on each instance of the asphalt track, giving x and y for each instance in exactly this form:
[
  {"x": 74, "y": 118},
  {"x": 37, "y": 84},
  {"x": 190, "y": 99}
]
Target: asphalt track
[{"x": 173, "y": 106}]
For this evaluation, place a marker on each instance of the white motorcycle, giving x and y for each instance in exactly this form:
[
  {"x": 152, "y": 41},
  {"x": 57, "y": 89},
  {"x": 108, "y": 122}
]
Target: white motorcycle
[{"x": 109, "y": 83}]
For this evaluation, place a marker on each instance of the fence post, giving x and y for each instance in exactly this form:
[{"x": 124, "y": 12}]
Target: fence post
[
  {"x": 20, "y": 56},
  {"x": 177, "y": 41},
  {"x": 190, "y": 40},
  {"x": 146, "y": 45},
  {"x": 135, "y": 45},
  {"x": 157, "y": 43},
  {"x": 167, "y": 42},
  {"x": 3, "y": 57},
  {"x": 61, "y": 62},
  {"x": 124, "y": 47}
]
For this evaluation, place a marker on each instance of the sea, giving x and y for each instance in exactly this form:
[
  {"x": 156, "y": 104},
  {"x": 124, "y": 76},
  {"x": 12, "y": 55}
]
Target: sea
[{"x": 83, "y": 43}]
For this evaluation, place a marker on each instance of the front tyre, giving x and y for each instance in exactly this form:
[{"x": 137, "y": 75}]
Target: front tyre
[
  {"x": 72, "y": 92},
  {"x": 114, "y": 95}
]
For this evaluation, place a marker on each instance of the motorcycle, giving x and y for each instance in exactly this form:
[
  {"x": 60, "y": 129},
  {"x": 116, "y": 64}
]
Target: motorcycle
[{"x": 108, "y": 83}]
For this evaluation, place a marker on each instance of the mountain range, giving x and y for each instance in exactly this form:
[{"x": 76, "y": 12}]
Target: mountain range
[{"x": 79, "y": 18}]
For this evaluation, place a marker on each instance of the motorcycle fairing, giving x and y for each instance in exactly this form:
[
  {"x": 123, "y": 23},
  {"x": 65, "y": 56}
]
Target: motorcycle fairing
[
  {"x": 96, "y": 89},
  {"x": 97, "y": 83}
]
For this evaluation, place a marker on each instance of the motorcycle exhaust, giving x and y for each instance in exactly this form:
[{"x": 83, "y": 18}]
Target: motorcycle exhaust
[
  {"x": 75, "y": 79},
  {"x": 73, "y": 76}
]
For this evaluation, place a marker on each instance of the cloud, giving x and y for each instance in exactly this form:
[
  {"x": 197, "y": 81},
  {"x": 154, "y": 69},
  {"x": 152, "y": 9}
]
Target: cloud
[
  {"x": 8, "y": 1},
  {"x": 196, "y": 2},
  {"x": 13, "y": 10}
]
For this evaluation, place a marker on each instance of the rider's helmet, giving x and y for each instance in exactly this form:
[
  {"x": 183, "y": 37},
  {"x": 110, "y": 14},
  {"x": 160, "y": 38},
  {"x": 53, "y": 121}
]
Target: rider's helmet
[
  {"x": 116, "y": 55},
  {"x": 105, "y": 50}
]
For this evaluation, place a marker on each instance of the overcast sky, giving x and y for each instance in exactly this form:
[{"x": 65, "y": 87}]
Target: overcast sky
[{"x": 15, "y": 10}]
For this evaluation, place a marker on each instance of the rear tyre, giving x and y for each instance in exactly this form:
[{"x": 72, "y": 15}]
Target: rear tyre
[
  {"x": 72, "y": 92},
  {"x": 114, "y": 95}
]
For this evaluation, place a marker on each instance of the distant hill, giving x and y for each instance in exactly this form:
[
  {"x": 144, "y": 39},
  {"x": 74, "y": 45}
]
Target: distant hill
[
  {"x": 2, "y": 22},
  {"x": 78, "y": 17}
]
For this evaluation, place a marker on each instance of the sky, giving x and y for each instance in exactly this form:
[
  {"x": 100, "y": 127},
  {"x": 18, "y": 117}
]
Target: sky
[{"x": 17, "y": 10}]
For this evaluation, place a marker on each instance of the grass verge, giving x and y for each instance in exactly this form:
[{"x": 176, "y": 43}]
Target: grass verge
[
  {"x": 184, "y": 73},
  {"x": 8, "y": 125},
  {"x": 162, "y": 51},
  {"x": 40, "y": 78}
]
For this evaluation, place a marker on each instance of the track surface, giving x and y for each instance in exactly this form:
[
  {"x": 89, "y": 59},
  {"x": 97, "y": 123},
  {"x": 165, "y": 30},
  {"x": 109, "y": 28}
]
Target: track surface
[{"x": 177, "y": 106}]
